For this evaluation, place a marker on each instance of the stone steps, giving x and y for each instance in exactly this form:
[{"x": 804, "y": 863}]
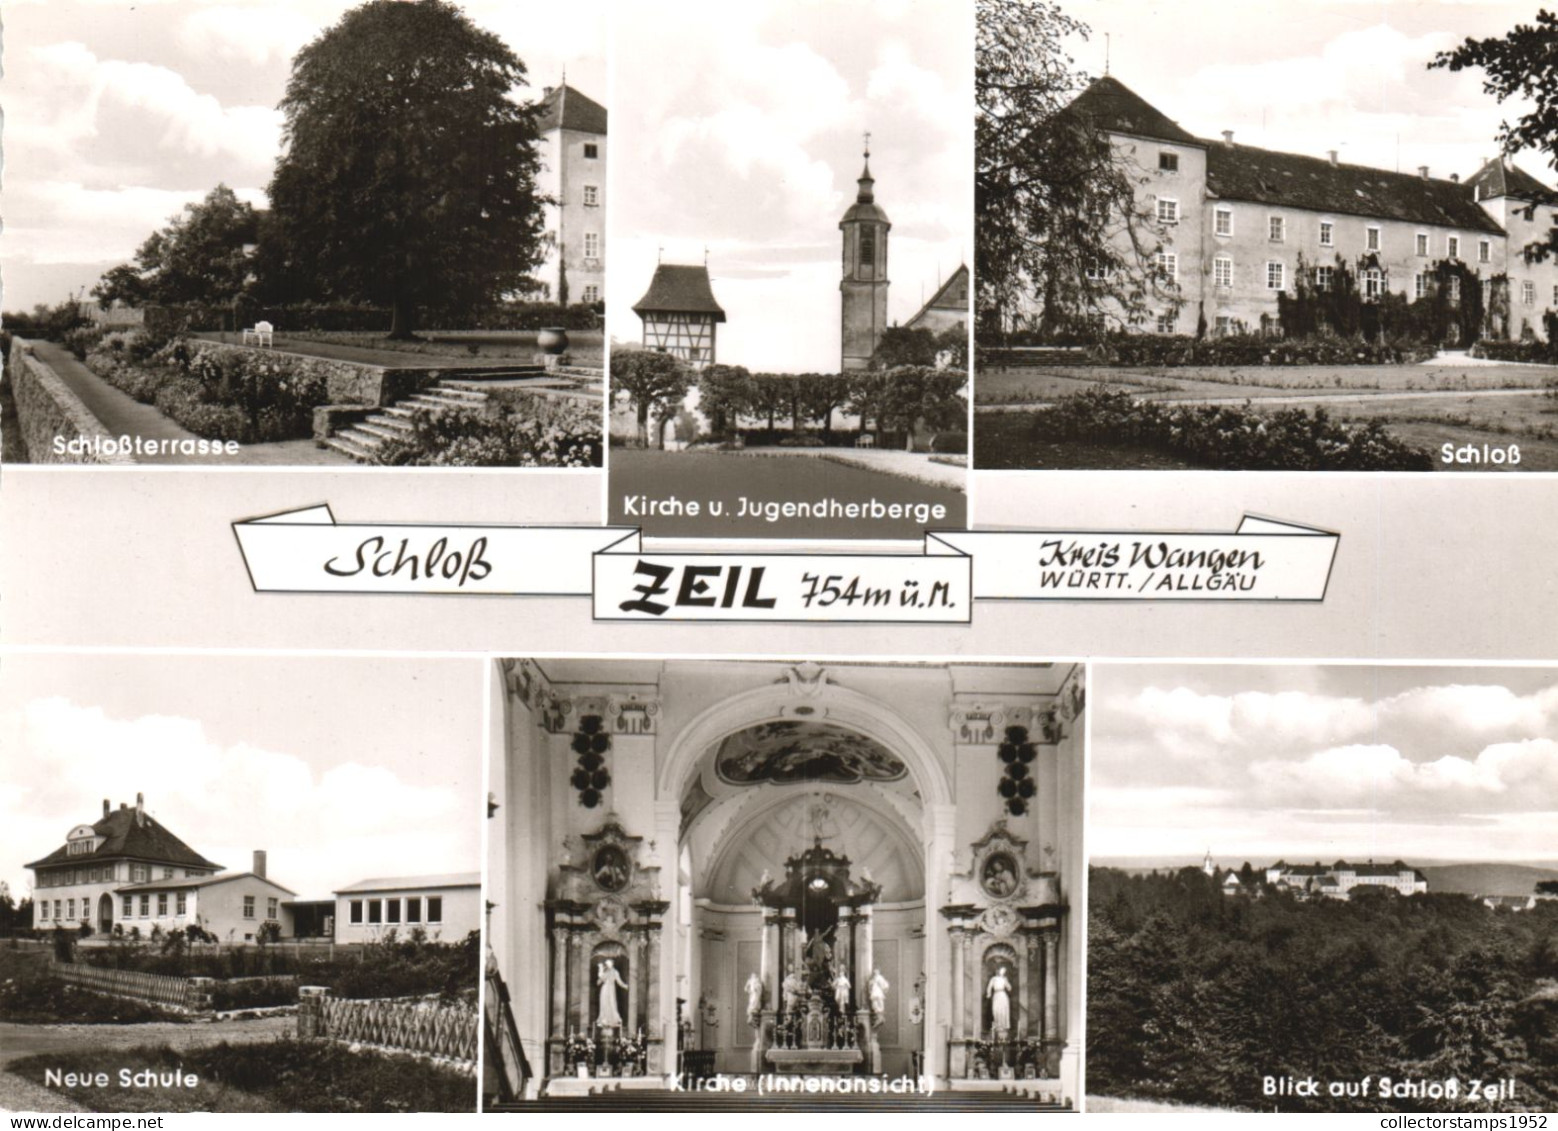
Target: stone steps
[{"x": 364, "y": 440}]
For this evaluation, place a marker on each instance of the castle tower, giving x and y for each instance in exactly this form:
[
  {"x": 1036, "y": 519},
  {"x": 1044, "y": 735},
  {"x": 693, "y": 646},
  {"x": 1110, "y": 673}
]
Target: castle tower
[{"x": 864, "y": 286}]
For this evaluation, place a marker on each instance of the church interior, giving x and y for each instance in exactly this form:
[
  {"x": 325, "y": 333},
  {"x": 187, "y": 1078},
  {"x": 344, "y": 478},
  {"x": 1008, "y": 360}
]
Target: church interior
[{"x": 707, "y": 872}]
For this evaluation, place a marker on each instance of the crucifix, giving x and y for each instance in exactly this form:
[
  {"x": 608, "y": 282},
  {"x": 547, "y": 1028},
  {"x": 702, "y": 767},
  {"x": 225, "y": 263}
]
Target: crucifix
[{"x": 868, "y": 145}]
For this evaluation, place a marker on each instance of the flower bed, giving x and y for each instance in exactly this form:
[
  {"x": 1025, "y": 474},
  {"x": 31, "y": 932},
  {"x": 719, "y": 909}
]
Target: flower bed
[
  {"x": 1232, "y": 349},
  {"x": 1223, "y": 437},
  {"x": 533, "y": 432},
  {"x": 220, "y": 393}
]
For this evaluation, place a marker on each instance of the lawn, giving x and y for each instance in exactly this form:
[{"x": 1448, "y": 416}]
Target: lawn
[
  {"x": 1022, "y": 385},
  {"x": 268, "y": 1076},
  {"x": 723, "y": 479}
]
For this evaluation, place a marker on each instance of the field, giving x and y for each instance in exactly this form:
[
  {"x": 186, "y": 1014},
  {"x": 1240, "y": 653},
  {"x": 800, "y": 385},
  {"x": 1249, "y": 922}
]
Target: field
[
  {"x": 1427, "y": 406},
  {"x": 725, "y": 479}
]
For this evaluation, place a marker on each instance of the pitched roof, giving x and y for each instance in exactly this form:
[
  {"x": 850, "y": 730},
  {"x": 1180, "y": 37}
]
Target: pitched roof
[
  {"x": 563, "y": 107},
  {"x": 680, "y": 288},
  {"x": 1502, "y": 177},
  {"x": 1264, "y": 176},
  {"x": 951, "y": 295},
  {"x": 187, "y": 882},
  {"x": 403, "y": 883},
  {"x": 134, "y": 834},
  {"x": 1111, "y": 105}
]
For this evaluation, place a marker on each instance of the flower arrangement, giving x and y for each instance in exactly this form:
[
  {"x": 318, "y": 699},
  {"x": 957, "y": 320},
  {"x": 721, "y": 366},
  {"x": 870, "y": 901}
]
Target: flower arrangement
[{"x": 579, "y": 1049}]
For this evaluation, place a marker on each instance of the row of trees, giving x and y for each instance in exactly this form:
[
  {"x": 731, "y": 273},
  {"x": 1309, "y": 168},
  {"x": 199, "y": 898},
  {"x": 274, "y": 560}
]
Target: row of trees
[
  {"x": 655, "y": 386},
  {"x": 408, "y": 178},
  {"x": 1195, "y": 997}
]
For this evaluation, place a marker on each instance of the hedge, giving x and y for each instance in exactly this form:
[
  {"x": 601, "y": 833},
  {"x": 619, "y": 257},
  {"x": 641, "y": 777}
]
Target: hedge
[{"x": 168, "y": 321}]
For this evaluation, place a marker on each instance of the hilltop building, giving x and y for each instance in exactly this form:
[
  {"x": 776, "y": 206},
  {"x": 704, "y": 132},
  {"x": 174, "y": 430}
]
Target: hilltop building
[
  {"x": 573, "y": 175},
  {"x": 1243, "y": 223},
  {"x": 1340, "y": 879}
]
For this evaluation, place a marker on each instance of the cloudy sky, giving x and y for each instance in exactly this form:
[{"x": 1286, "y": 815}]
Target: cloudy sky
[
  {"x": 340, "y": 768},
  {"x": 119, "y": 114},
  {"x": 1307, "y": 76},
  {"x": 1308, "y": 763},
  {"x": 738, "y": 128}
]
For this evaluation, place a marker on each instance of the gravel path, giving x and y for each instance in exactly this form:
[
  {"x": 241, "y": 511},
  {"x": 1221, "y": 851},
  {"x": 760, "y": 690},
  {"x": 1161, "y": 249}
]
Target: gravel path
[{"x": 19, "y": 1041}]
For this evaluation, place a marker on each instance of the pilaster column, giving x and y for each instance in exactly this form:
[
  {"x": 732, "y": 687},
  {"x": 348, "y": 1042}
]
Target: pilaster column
[
  {"x": 973, "y": 988},
  {"x": 790, "y": 944},
  {"x": 939, "y": 834},
  {"x": 583, "y": 984},
  {"x": 865, "y": 959},
  {"x": 845, "y": 950},
  {"x": 562, "y": 941},
  {"x": 652, "y": 962},
  {"x": 770, "y": 961},
  {"x": 956, "y": 934},
  {"x": 1052, "y": 985},
  {"x": 1033, "y": 994},
  {"x": 638, "y": 975}
]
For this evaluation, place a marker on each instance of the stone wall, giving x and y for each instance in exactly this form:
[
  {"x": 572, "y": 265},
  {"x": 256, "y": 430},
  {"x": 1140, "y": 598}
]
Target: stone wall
[
  {"x": 47, "y": 409},
  {"x": 346, "y": 382}
]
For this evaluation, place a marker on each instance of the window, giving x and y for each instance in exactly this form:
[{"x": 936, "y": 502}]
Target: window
[
  {"x": 162, "y": 904},
  {"x": 1278, "y": 228},
  {"x": 392, "y": 910},
  {"x": 591, "y": 293},
  {"x": 414, "y": 909},
  {"x": 591, "y": 196},
  {"x": 1166, "y": 323},
  {"x": 1327, "y": 234},
  {"x": 591, "y": 151},
  {"x": 1555, "y": 295},
  {"x": 1276, "y": 275},
  {"x": 167, "y": 873},
  {"x": 271, "y": 909},
  {"x": 248, "y": 907},
  {"x": 1168, "y": 162},
  {"x": 354, "y": 914},
  {"x": 1323, "y": 278},
  {"x": 1096, "y": 271},
  {"x": 139, "y": 873},
  {"x": 1452, "y": 247},
  {"x": 1222, "y": 221},
  {"x": 1222, "y": 271},
  {"x": 435, "y": 909},
  {"x": 1419, "y": 286},
  {"x": 1455, "y": 290},
  {"x": 145, "y": 906},
  {"x": 375, "y": 911},
  {"x": 592, "y": 245},
  {"x": 1371, "y": 238},
  {"x": 1168, "y": 210},
  {"x": 1422, "y": 243},
  {"x": 1373, "y": 283},
  {"x": 1528, "y": 293},
  {"x": 1168, "y": 264},
  {"x": 181, "y": 903},
  {"x": 129, "y": 907},
  {"x": 71, "y": 914},
  {"x": 1484, "y": 251}
]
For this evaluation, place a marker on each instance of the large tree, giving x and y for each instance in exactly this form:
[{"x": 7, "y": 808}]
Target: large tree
[
  {"x": 1522, "y": 64},
  {"x": 408, "y": 176},
  {"x": 203, "y": 255},
  {"x": 1058, "y": 222}
]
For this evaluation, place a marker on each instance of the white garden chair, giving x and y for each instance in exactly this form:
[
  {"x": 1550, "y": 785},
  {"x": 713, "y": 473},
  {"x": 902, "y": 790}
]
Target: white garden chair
[{"x": 263, "y": 334}]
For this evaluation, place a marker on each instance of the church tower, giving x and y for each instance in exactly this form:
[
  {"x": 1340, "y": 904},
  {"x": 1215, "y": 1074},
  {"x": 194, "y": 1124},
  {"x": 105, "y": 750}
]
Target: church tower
[{"x": 864, "y": 286}]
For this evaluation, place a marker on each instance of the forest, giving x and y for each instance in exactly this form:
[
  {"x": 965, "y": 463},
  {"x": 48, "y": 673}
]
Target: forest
[{"x": 1198, "y": 997}]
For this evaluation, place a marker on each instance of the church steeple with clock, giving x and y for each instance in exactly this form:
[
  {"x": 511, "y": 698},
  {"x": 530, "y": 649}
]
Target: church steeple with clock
[{"x": 863, "y": 289}]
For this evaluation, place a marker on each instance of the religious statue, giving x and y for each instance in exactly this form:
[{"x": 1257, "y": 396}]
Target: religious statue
[
  {"x": 609, "y": 979},
  {"x": 999, "y": 990},
  {"x": 794, "y": 986},
  {"x": 841, "y": 990},
  {"x": 754, "y": 995},
  {"x": 877, "y": 988}
]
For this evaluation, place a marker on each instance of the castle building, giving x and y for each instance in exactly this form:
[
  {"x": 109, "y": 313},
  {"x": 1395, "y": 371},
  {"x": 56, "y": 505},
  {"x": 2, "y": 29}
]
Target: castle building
[
  {"x": 680, "y": 315},
  {"x": 863, "y": 289},
  {"x": 1243, "y": 223},
  {"x": 127, "y": 871},
  {"x": 1340, "y": 879},
  {"x": 791, "y": 869},
  {"x": 573, "y": 174}
]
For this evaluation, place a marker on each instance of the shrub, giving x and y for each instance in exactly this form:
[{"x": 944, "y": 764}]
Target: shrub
[
  {"x": 952, "y": 443},
  {"x": 254, "y": 993},
  {"x": 1250, "y": 349},
  {"x": 1531, "y": 352},
  {"x": 802, "y": 440},
  {"x": 1226, "y": 437},
  {"x": 81, "y": 340}
]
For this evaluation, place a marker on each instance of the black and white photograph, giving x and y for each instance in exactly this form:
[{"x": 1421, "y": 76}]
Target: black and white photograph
[
  {"x": 305, "y": 233},
  {"x": 240, "y": 884},
  {"x": 744, "y": 884},
  {"x": 1302, "y": 236},
  {"x": 790, "y": 283},
  {"x": 1323, "y": 888}
]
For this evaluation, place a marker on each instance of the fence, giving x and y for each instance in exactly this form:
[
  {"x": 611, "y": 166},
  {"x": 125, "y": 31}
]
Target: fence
[
  {"x": 424, "y": 1028},
  {"x": 188, "y": 994}
]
